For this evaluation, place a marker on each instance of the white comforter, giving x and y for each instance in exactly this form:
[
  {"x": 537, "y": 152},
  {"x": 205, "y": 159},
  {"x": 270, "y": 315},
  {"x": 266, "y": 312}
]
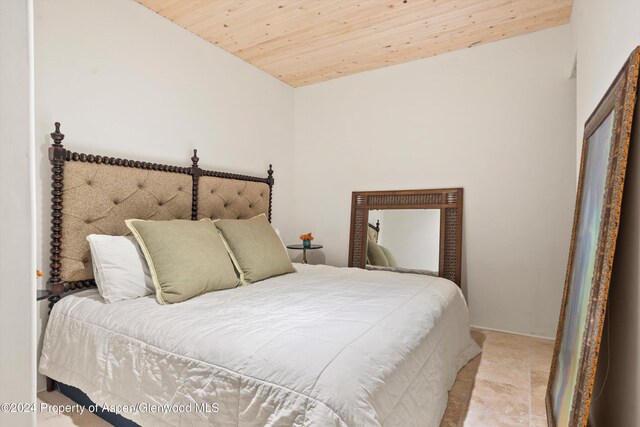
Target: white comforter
[{"x": 322, "y": 347}]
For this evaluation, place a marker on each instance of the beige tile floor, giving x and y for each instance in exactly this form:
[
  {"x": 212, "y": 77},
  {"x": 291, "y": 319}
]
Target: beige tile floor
[{"x": 504, "y": 386}]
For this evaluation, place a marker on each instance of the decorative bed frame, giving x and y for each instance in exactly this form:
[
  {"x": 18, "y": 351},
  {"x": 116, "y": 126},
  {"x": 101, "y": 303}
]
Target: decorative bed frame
[
  {"x": 57, "y": 284},
  {"x": 206, "y": 198}
]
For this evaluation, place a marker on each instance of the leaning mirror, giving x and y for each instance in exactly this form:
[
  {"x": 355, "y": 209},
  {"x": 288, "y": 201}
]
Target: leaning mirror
[{"x": 408, "y": 231}]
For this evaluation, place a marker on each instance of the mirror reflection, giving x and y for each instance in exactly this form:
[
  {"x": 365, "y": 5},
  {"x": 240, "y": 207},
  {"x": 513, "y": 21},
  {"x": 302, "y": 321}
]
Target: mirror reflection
[{"x": 405, "y": 240}]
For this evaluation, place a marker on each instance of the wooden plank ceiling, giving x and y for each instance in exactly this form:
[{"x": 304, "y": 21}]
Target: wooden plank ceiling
[{"x": 308, "y": 41}]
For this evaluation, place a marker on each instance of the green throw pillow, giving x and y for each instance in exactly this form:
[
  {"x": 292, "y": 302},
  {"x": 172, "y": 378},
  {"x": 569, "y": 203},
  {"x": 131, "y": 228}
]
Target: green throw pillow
[
  {"x": 389, "y": 256},
  {"x": 186, "y": 258},
  {"x": 375, "y": 254},
  {"x": 255, "y": 248}
]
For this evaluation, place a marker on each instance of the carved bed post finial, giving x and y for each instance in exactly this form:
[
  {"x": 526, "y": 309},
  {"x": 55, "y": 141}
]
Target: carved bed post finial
[
  {"x": 57, "y": 136},
  {"x": 195, "y": 176},
  {"x": 195, "y": 158},
  {"x": 270, "y": 181},
  {"x": 57, "y": 155}
]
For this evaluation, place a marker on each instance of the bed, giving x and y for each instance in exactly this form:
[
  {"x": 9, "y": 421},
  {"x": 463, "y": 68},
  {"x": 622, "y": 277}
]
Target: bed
[{"x": 323, "y": 346}]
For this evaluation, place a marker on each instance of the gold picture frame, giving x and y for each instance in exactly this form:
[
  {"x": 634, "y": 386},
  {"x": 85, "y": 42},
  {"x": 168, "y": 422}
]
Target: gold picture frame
[{"x": 595, "y": 229}]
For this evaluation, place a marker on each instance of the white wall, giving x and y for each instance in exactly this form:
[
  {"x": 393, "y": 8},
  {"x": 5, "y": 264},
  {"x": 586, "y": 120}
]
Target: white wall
[
  {"x": 498, "y": 120},
  {"x": 605, "y": 33},
  {"x": 17, "y": 267},
  {"x": 412, "y": 236},
  {"x": 126, "y": 82}
]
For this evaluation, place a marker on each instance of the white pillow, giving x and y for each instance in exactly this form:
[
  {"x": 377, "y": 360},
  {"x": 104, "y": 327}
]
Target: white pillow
[{"x": 119, "y": 268}]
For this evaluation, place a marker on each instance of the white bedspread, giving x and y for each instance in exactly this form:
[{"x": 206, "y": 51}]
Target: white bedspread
[{"x": 322, "y": 347}]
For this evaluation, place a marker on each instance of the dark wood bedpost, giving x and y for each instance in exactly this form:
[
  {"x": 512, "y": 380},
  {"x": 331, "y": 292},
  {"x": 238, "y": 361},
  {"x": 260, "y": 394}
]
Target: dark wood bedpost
[
  {"x": 57, "y": 155},
  {"x": 195, "y": 175},
  {"x": 270, "y": 181}
]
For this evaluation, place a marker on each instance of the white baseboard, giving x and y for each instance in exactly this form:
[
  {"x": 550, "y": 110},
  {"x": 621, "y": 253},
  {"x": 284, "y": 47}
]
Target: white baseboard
[{"x": 512, "y": 332}]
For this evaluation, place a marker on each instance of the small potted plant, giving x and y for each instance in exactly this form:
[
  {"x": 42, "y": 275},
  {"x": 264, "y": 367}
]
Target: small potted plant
[{"x": 306, "y": 240}]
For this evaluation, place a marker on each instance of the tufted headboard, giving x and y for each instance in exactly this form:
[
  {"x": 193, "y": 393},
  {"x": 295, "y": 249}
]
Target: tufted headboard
[
  {"x": 373, "y": 231},
  {"x": 94, "y": 194},
  {"x": 231, "y": 198},
  {"x": 99, "y": 197}
]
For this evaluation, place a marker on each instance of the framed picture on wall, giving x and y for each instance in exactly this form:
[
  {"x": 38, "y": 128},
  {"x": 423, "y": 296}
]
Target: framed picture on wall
[{"x": 595, "y": 230}]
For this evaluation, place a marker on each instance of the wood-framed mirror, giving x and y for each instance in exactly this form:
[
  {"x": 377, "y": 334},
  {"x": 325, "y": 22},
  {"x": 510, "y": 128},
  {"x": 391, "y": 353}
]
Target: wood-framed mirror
[{"x": 415, "y": 231}]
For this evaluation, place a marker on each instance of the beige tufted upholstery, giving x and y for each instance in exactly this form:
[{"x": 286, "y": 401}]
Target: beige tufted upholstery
[
  {"x": 373, "y": 234},
  {"x": 98, "y": 198},
  {"x": 231, "y": 198}
]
